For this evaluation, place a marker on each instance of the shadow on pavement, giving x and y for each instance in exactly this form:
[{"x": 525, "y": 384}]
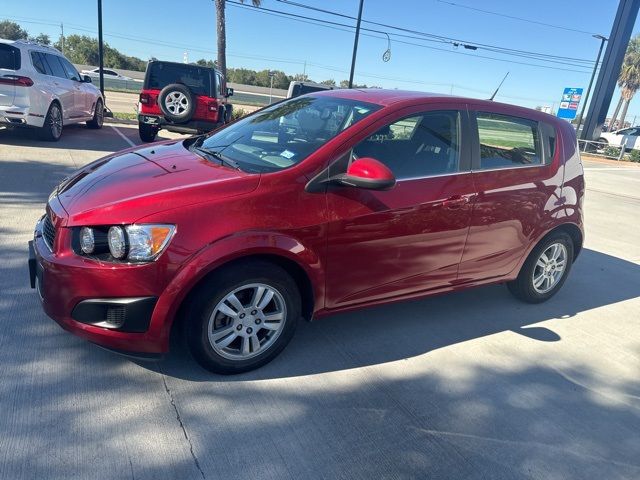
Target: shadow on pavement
[
  {"x": 29, "y": 181},
  {"x": 403, "y": 330}
]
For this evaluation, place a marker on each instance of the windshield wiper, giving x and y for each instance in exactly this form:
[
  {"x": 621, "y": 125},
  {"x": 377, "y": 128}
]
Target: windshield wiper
[{"x": 224, "y": 160}]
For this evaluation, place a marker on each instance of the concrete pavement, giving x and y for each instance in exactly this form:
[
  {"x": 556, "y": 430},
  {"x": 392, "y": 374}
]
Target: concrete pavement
[{"x": 463, "y": 386}]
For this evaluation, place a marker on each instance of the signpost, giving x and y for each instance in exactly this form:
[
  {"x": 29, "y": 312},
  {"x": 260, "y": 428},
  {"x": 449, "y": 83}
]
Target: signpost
[{"x": 569, "y": 104}]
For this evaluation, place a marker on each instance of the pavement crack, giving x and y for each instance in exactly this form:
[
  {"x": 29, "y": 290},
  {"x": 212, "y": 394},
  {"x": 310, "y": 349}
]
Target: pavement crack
[{"x": 184, "y": 430}]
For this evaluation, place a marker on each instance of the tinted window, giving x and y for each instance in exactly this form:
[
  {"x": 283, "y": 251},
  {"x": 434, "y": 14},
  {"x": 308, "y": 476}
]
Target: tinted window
[
  {"x": 9, "y": 57},
  {"x": 417, "y": 146},
  {"x": 507, "y": 141},
  {"x": 284, "y": 134},
  {"x": 57, "y": 70},
  {"x": 39, "y": 64},
  {"x": 198, "y": 79},
  {"x": 70, "y": 70},
  {"x": 110, "y": 72}
]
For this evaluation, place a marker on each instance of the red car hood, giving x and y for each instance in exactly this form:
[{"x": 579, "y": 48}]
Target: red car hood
[{"x": 132, "y": 184}]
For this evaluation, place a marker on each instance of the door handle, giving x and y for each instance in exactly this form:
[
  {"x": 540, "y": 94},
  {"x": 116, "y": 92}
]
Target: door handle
[{"x": 455, "y": 202}]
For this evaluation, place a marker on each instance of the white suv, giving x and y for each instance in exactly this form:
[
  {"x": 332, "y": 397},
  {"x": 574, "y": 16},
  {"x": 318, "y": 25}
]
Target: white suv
[{"x": 39, "y": 88}]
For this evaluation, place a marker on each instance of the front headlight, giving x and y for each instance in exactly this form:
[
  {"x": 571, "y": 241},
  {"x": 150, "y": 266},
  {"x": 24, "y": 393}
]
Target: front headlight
[{"x": 132, "y": 243}]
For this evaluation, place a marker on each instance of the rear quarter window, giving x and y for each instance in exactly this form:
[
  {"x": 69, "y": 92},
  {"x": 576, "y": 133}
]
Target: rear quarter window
[
  {"x": 9, "y": 57},
  {"x": 198, "y": 79}
]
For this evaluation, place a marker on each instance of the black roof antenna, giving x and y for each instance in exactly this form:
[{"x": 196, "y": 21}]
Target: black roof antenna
[{"x": 496, "y": 92}]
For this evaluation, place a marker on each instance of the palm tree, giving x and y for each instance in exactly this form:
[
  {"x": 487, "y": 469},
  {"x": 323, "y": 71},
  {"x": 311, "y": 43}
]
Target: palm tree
[
  {"x": 629, "y": 79},
  {"x": 222, "y": 36}
]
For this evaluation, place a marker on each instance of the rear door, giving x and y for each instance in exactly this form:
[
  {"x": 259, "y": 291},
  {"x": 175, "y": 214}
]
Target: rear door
[
  {"x": 9, "y": 63},
  {"x": 408, "y": 239},
  {"x": 518, "y": 181},
  {"x": 62, "y": 87},
  {"x": 82, "y": 101}
]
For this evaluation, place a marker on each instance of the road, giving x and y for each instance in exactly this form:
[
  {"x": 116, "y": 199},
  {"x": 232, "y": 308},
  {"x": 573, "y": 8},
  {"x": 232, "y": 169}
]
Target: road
[{"x": 473, "y": 385}]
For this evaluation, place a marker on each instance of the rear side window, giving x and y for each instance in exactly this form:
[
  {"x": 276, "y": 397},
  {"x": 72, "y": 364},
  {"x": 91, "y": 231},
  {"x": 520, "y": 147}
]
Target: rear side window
[
  {"x": 9, "y": 57},
  {"x": 39, "y": 63},
  {"x": 419, "y": 146},
  {"x": 198, "y": 79},
  {"x": 57, "y": 70},
  {"x": 507, "y": 141}
]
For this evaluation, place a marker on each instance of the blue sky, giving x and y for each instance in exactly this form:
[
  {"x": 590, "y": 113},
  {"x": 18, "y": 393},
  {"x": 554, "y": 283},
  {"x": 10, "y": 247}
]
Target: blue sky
[{"x": 166, "y": 29}]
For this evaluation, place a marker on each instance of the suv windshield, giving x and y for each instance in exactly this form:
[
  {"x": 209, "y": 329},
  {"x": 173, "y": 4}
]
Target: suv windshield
[
  {"x": 283, "y": 135},
  {"x": 161, "y": 74}
]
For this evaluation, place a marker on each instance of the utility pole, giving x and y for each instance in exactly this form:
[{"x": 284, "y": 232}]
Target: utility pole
[
  {"x": 355, "y": 45},
  {"x": 593, "y": 75},
  {"x": 271, "y": 75},
  {"x": 100, "y": 47},
  {"x": 62, "y": 37}
]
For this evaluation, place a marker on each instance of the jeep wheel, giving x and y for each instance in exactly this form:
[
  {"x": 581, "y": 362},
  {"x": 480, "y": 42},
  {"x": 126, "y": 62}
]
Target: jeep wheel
[{"x": 177, "y": 103}]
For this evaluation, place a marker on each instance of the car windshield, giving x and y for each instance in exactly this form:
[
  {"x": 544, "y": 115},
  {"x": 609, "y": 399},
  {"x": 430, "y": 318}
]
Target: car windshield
[{"x": 283, "y": 135}]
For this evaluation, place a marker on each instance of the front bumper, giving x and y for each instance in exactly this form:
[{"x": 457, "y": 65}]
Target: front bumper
[{"x": 114, "y": 307}]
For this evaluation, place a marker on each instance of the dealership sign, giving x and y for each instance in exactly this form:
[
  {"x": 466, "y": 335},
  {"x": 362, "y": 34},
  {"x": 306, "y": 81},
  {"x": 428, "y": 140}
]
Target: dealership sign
[{"x": 569, "y": 103}]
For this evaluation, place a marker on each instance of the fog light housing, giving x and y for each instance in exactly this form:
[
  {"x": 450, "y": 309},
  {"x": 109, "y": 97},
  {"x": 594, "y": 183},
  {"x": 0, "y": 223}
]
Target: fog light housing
[
  {"x": 117, "y": 242},
  {"x": 87, "y": 240}
]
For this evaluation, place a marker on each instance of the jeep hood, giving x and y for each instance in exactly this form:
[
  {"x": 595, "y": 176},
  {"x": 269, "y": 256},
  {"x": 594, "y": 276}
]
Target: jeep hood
[{"x": 132, "y": 184}]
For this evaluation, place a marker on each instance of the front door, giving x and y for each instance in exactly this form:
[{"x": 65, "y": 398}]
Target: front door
[{"x": 409, "y": 239}]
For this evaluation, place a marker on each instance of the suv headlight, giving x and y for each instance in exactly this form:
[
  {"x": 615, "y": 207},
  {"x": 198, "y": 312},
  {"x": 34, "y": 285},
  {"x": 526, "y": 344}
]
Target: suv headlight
[{"x": 128, "y": 243}]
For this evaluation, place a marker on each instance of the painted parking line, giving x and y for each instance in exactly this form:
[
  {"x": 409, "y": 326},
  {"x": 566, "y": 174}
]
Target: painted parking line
[{"x": 123, "y": 136}]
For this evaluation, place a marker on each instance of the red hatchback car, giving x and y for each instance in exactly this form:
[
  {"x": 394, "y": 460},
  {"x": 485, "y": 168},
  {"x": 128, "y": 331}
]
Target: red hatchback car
[{"x": 322, "y": 203}]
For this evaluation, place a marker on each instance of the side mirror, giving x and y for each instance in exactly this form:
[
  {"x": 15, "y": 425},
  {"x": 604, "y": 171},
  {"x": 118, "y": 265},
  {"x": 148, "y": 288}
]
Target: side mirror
[
  {"x": 367, "y": 173},
  {"x": 87, "y": 79},
  {"x": 229, "y": 92}
]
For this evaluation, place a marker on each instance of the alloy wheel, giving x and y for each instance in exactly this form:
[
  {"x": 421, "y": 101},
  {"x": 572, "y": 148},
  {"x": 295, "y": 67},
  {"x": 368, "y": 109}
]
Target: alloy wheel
[
  {"x": 247, "y": 321},
  {"x": 549, "y": 268},
  {"x": 56, "y": 121},
  {"x": 176, "y": 103}
]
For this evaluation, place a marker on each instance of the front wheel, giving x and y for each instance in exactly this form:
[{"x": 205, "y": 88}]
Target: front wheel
[
  {"x": 545, "y": 270},
  {"x": 243, "y": 317},
  {"x": 147, "y": 132},
  {"x": 98, "y": 116}
]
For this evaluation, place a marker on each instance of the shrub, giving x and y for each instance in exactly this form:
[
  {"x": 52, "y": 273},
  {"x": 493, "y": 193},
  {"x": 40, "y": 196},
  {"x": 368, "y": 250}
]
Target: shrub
[
  {"x": 610, "y": 151},
  {"x": 237, "y": 113},
  {"x": 634, "y": 155}
]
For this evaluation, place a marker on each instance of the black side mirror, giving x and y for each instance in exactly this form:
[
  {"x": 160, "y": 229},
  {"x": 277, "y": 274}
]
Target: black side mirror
[
  {"x": 229, "y": 92},
  {"x": 87, "y": 79}
]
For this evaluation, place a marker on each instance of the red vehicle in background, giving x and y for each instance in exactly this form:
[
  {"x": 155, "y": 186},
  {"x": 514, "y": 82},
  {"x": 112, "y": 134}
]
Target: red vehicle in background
[
  {"x": 322, "y": 203},
  {"x": 182, "y": 98}
]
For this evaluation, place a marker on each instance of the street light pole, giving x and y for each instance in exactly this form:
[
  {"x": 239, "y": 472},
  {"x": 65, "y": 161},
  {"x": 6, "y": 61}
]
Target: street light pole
[
  {"x": 355, "y": 45},
  {"x": 271, "y": 75},
  {"x": 100, "y": 47},
  {"x": 593, "y": 75}
]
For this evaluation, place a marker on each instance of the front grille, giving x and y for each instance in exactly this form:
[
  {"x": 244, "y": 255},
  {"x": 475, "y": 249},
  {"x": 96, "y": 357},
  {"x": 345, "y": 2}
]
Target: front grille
[{"x": 48, "y": 232}]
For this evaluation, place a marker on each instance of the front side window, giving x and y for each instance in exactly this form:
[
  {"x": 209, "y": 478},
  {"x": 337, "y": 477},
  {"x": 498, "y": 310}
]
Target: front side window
[
  {"x": 284, "y": 134},
  {"x": 70, "y": 70},
  {"x": 418, "y": 146},
  {"x": 507, "y": 141}
]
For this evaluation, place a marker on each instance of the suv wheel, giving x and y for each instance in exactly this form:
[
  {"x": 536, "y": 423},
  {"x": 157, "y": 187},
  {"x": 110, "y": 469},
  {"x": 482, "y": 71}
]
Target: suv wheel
[
  {"x": 243, "y": 318},
  {"x": 177, "y": 103},
  {"x": 51, "y": 131},
  {"x": 147, "y": 132},
  {"x": 545, "y": 270},
  {"x": 98, "y": 116}
]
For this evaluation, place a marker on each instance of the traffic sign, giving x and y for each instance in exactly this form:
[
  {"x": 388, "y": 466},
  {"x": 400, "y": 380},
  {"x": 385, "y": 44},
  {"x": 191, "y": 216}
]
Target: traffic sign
[{"x": 569, "y": 104}]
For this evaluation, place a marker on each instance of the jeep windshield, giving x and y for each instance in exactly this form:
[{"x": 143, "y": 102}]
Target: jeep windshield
[{"x": 283, "y": 135}]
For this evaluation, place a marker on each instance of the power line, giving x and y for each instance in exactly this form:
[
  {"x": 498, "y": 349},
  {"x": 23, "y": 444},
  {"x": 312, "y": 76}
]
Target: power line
[
  {"x": 279, "y": 13},
  {"x": 512, "y": 17}
]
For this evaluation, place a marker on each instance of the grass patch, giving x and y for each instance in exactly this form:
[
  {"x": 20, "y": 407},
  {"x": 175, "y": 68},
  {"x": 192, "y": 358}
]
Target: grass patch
[{"x": 125, "y": 116}]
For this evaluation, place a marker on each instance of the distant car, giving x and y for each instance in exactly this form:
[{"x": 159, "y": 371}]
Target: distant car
[
  {"x": 379, "y": 196},
  {"x": 182, "y": 98},
  {"x": 41, "y": 89},
  {"x": 302, "y": 88},
  {"x": 628, "y": 136},
  {"x": 95, "y": 73}
]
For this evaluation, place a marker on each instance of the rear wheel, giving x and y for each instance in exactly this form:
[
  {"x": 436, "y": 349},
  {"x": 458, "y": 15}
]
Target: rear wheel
[
  {"x": 242, "y": 318},
  {"x": 147, "y": 132},
  {"x": 51, "y": 131},
  {"x": 545, "y": 270},
  {"x": 98, "y": 116}
]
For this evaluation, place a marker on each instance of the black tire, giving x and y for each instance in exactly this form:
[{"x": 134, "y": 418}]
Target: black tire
[
  {"x": 603, "y": 140},
  {"x": 207, "y": 298},
  {"x": 51, "y": 131},
  {"x": 177, "y": 90},
  {"x": 147, "y": 132},
  {"x": 523, "y": 287},
  {"x": 98, "y": 116},
  {"x": 228, "y": 113}
]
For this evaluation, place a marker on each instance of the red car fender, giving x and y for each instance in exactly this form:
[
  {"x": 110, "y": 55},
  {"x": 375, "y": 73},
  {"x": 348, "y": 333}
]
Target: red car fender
[{"x": 231, "y": 248}]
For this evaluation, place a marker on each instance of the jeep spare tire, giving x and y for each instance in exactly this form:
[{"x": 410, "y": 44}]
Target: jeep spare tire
[{"x": 177, "y": 102}]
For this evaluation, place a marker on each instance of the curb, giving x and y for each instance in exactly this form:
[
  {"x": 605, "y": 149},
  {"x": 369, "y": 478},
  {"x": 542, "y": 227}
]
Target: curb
[{"x": 121, "y": 121}]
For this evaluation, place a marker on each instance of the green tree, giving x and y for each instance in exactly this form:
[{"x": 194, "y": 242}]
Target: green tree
[
  {"x": 42, "y": 39},
  {"x": 12, "y": 31},
  {"x": 629, "y": 79},
  {"x": 84, "y": 50},
  {"x": 330, "y": 82},
  {"x": 206, "y": 63},
  {"x": 222, "y": 35}
]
